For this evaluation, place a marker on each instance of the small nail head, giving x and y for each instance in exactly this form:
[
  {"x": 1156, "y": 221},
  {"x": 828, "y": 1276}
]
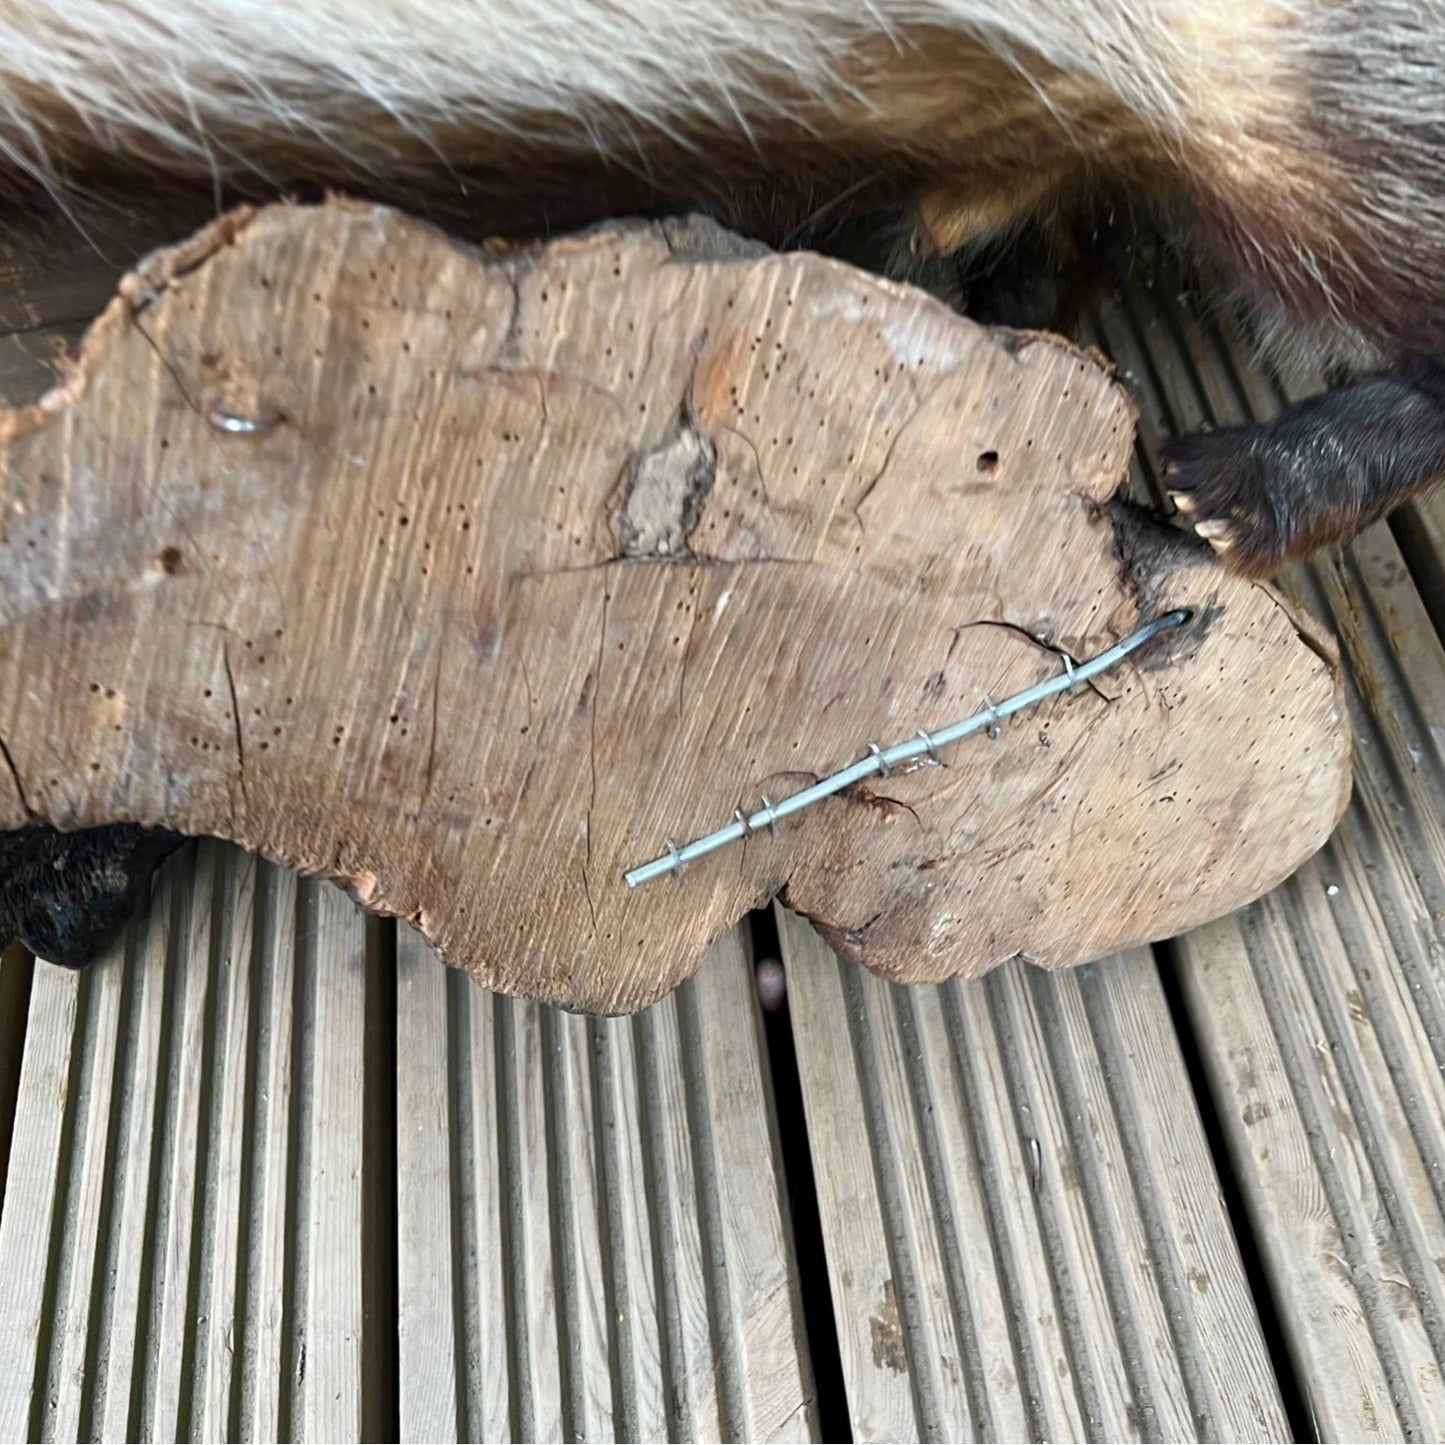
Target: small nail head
[{"x": 227, "y": 421}]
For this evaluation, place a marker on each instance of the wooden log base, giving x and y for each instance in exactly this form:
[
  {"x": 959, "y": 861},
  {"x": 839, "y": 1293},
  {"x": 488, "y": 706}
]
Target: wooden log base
[{"x": 468, "y": 578}]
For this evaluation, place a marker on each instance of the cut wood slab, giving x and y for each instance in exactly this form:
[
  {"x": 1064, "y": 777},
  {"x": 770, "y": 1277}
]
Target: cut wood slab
[{"x": 468, "y": 578}]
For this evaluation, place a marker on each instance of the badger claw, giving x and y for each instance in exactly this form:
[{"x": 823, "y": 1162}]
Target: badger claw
[{"x": 1219, "y": 534}]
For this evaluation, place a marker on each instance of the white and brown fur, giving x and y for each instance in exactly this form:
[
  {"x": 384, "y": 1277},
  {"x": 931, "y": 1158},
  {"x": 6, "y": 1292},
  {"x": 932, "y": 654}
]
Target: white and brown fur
[
  {"x": 1296, "y": 146},
  {"x": 1295, "y": 149}
]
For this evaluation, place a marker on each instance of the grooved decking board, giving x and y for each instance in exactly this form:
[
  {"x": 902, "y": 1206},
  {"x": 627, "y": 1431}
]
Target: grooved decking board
[
  {"x": 1320, "y": 1011},
  {"x": 604, "y": 1196},
  {"x": 1024, "y": 1231},
  {"x": 592, "y": 1227},
  {"x": 180, "y": 1250}
]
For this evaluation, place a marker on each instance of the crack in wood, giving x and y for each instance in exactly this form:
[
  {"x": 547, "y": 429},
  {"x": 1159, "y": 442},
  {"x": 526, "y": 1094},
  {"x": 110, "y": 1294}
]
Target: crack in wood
[
  {"x": 880, "y": 802},
  {"x": 920, "y": 406},
  {"x": 587, "y": 893},
  {"x": 166, "y": 362},
  {"x": 592, "y": 750},
  {"x": 431, "y": 753},
  {"x": 19, "y": 786},
  {"x": 1039, "y": 642},
  {"x": 236, "y": 721}
]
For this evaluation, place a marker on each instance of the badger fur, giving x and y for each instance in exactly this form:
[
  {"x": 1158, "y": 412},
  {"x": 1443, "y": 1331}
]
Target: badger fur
[{"x": 1293, "y": 149}]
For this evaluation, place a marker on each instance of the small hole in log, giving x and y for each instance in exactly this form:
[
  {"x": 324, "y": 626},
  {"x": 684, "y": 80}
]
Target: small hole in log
[
  {"x": 988, "y": 463},
  {"x": 170, "y": 560}
]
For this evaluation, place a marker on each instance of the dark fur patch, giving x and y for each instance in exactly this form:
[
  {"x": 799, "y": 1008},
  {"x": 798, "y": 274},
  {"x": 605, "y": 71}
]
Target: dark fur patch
[
  {"x": 67, "y": 896},
  {"x": 1320, "y": 471}
]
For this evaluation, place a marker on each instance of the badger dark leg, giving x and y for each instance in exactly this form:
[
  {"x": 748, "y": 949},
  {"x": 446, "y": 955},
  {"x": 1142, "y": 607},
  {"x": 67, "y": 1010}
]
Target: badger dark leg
[
  {"x": 67, "y": 896},
  {"x": 1316, "y": 474}
]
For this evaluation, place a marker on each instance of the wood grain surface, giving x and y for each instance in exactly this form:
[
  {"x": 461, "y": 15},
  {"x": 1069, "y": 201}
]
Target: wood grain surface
[{"x": 468, "y": 577}]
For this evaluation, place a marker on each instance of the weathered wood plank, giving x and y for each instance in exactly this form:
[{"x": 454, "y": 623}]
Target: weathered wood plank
[
  {"x": 58, "y": 271},
  {"x": 860, "y": 1222},
  {"x": 116, "y": 1329},
  {"x": 1024, "y": 1232},
  {"x": 1320, "y": 1011},
  {"x": 751, "y": 1253},
  {"x": 1228, "y": 1383},
  {"x": 32, "y": 1187},
  {"x": 61, "y": 266},
  {"x": 327, "y": 1173},
  {"x": 673, "y": 1180},
  {"x": 262, "y": 1359},
  {"x": 189, "y": 1263},
  {"x": 638, "y": 1264},
  {"x": 237, "y": 988},
  {"x": 430, "y": 1278},
  {"x": 182, "y": 1239},
  {"x": 81, "y": 1262},
  {"x": 31, "y": 362}
]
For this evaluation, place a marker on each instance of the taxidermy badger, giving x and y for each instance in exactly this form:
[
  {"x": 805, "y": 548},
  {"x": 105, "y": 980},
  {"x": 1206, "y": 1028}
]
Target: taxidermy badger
[{"x": 1293, "y": 150}]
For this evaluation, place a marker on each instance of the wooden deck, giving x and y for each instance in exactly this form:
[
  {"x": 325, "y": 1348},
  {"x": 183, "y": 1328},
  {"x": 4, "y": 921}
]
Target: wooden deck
[{"x": 270, "y": 1171}]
